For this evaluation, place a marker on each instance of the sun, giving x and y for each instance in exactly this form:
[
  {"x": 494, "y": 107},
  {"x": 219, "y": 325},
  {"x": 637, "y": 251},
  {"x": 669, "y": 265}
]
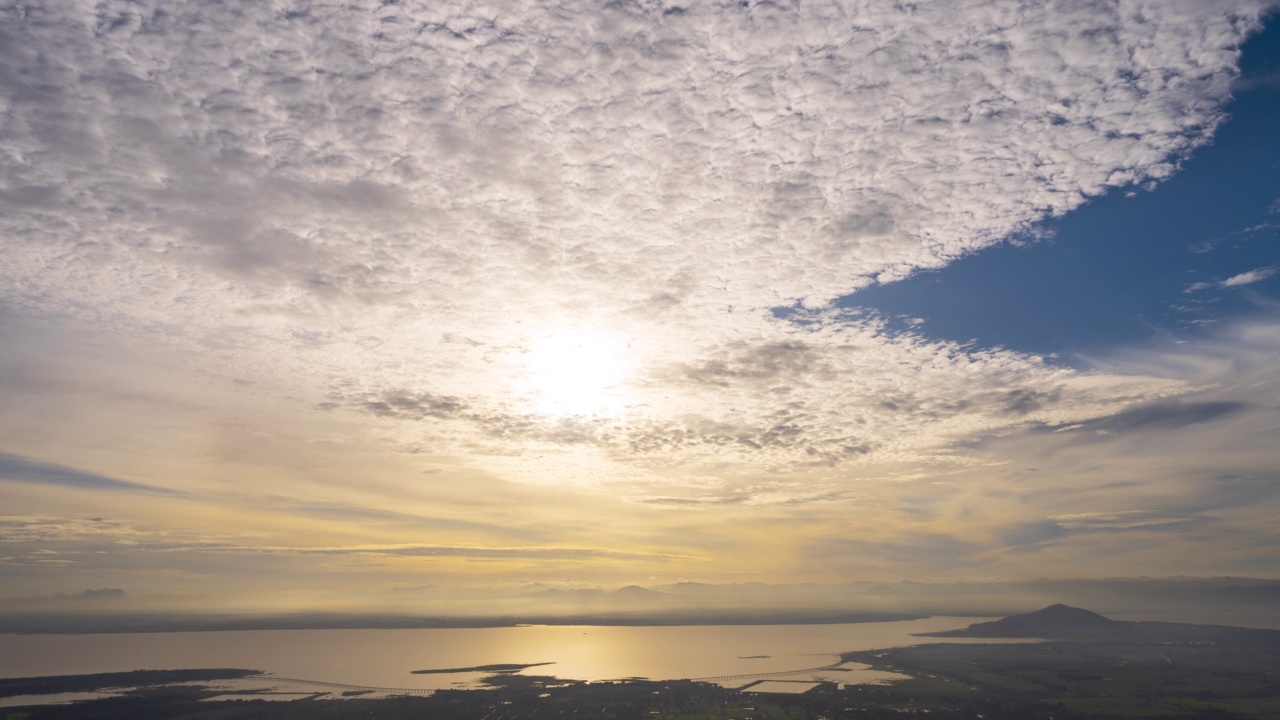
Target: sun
[{"x": 578, "y": 373}]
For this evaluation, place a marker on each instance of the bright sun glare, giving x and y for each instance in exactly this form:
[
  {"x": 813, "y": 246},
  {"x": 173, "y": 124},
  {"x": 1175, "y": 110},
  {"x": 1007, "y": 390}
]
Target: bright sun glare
[{"x": 578, "y": 373}]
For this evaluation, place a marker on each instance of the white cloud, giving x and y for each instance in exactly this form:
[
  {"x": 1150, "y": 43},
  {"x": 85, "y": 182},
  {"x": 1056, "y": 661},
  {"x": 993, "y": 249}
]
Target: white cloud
[
  {"x": 444, "y": 184},
  {"x": 1245, "y": 278},
  {"x": 428, "y": 155},
  {"x": 20, "y": 528},
  {"x": 1250, "y": 277}
]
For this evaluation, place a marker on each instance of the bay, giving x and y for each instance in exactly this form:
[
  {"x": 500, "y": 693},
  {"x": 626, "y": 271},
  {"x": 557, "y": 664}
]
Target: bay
[{"x": 386, "y": 658}]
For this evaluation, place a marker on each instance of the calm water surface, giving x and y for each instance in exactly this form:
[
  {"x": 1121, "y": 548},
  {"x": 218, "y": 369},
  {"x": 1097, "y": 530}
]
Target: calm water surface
[
  {"x": 52, "y": 698},
  {"x": 384, "y": 658}
]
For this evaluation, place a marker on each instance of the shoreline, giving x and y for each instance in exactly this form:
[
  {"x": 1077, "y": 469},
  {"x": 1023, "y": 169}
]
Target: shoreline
[{"x": 60, "y": 624}]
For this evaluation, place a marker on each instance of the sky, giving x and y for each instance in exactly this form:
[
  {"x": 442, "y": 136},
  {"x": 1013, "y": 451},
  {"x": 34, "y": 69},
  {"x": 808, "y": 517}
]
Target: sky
[{"x": 309, "y": 305}]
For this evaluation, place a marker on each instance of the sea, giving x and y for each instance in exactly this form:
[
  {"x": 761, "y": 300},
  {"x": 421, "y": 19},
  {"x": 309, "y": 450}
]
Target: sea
[{"x": 732, "y": 655}]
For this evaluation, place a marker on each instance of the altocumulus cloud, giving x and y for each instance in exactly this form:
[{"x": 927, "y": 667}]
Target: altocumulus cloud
[{"x": 387, "y": 205}]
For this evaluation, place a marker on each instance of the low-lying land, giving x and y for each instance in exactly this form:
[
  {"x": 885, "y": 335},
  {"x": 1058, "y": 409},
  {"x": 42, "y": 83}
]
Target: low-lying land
[
  {"x": 496, "y": 668},
  {"x": 1095, "y": 678},
  {"x": 552, "y": 700},
  {"x": 10, "y": 687},
  {"x": 1092, "y": 666}
]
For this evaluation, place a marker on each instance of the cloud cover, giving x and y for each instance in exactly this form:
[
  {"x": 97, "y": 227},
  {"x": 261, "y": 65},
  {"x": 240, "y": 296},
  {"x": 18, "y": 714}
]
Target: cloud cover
[
  {"x": 634, "y": 155},
  {"x": 378, "y": 212},
  {"x": 429, "y": 172}
]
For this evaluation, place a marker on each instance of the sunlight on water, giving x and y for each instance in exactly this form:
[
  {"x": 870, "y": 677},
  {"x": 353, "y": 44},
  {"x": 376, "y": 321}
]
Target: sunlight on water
[{"x": 385, "y": 658}]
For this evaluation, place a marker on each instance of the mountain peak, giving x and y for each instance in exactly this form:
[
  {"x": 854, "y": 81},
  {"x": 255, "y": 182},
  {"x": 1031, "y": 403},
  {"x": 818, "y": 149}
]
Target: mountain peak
[
  {"x": 636, "y": 591},
  {"x": 1059, "y": 615},
  {"x": 1055, "y": 621}
]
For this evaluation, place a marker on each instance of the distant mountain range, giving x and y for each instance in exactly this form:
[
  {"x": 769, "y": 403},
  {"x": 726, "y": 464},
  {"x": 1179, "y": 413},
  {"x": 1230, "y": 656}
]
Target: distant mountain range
[
  {"x": 1235, "y": 601},
  {"x": 90, "y": 600}
]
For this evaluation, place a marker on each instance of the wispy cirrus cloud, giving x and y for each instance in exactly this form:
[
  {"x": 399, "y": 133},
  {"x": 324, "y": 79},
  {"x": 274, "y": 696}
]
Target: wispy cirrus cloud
[
  {"x": 1250, "y": 277},
  {"x": 1245, "y": 278}
]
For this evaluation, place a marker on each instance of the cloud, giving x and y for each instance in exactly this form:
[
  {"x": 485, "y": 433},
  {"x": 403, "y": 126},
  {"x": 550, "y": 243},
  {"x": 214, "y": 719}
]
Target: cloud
[
  {"x": 832, "y": 389},
  {"x": 17, "y": 468},
  {"x": 1117, "y": 520},
  {"x": 921, "y": 549},
  {"x": 780, "y": 494},
  {"x": 88, "y": 598},
  {"x": 1250, "y": 277},
  {"x": 1185, "y": 481},
  {"x": 1161, "y": 416},
  {"x": 1266, "y": 81},
  {"x": 1244, "y": 278},
  {"x": 322, "y": 190},
  {"x": 450, "y": 162},
  {"x": 18, "y": 528},
  {"x": 376, "y": 517},
  {"x": 1027, "y": 537},
  {"x": 441, "y": 551}
]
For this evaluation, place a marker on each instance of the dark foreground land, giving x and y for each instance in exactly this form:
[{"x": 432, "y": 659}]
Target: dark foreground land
[
  {"x": 991, "y": 682},
  {"x": 1078, "y": 673},
  {"x": 1094, "y": 679},
  {"x": 138, "y": 678},
  {"x": 632, "y": 700},
  {"x": 1092, "y": 666}
]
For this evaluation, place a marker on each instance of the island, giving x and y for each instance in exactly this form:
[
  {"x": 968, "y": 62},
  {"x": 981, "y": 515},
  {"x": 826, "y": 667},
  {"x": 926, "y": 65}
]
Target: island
[{"x": 496, "y": 668}]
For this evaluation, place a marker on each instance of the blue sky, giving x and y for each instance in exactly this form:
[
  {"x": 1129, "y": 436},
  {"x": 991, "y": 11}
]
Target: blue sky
[{"x": 1116, "y": 271}]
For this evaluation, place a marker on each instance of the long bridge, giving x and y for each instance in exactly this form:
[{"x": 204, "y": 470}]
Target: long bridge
[
  {"x": 344, "y": 686},
  {"x": 764, "y": 675}
]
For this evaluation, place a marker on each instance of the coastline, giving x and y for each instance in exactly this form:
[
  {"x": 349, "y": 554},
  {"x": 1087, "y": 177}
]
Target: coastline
[{"x": 69, "y": 624}]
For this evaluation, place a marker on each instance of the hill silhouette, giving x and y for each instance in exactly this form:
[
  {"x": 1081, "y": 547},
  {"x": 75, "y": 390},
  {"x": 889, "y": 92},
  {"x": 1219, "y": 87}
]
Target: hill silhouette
[
  {"x": 1052, "y": 621},
  {"x": 635, "y": 591},
  {"x": 1063, "y": 622}
]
